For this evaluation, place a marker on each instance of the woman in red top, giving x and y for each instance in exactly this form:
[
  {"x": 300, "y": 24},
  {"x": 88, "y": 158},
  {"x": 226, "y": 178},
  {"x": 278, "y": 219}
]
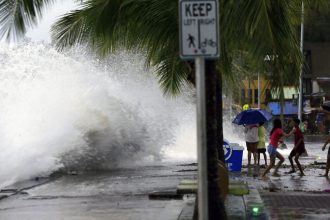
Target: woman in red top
[{"x": 275, "y": 136}]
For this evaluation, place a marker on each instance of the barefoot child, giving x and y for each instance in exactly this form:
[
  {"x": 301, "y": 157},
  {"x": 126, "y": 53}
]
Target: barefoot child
[
  {"x": 262, "y": 142},
  {"x": 275, "y": 135},
  {"x": 299, "y": 146},
  {"x": 326, "y": 110},
  {"x": 252, "y": 139},
  {"x": 328, "y": 156}
]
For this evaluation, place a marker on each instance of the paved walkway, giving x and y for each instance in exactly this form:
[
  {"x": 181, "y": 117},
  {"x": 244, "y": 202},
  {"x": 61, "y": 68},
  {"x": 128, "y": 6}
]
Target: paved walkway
[
  {"x": 118, "y": 194},
  {"x": 297, "y": 205},
  {"x": 125, "y": 195},
  {"x": 284, "y": 197}
]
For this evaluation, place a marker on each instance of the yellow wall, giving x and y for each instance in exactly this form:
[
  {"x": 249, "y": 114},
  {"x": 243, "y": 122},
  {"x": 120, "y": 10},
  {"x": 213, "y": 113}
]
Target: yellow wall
[{"x": 253, "y": 84}]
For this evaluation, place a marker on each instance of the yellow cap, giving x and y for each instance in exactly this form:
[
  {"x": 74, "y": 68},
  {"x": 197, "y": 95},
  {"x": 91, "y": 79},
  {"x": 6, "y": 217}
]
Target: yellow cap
[{"x": 246, "y": 107}]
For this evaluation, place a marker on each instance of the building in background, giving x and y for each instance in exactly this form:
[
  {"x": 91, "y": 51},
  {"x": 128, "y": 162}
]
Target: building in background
[
  {"x": 315, "y": 82},
  {"x": 249, "y": 93},
  {"x": 316, "y": 77}
]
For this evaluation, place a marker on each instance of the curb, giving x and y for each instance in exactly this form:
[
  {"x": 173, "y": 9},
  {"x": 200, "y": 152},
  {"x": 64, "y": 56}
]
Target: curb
[
  {"x": 187, "y": 212},
  {"x": 20, "y": 187},
  {"x": 235, "y": 207},
  {"x": 254, "y": 205}
]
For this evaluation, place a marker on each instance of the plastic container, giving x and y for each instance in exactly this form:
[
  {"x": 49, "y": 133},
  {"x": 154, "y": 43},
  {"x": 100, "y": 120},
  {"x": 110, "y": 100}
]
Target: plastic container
[{"x": 233, "y": 156}]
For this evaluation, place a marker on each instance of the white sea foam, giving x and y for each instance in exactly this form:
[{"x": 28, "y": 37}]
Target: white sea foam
[{"x": 72, "y": 111}]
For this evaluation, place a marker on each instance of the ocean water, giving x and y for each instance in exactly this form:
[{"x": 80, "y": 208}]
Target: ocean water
[{"x": 72, "y": 111}]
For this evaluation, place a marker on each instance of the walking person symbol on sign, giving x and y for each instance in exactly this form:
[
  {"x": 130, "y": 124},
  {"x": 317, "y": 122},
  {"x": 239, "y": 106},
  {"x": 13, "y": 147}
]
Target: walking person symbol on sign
[
  {"x": 199, "y": 29},
  {"x": 191, "y": 40}
]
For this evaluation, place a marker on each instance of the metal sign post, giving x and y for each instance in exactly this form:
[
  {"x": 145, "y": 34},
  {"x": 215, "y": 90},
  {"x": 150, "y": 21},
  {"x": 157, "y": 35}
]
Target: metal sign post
[
  {"x": 199, "y": 39},
  {"x": 201, "y": 140}
]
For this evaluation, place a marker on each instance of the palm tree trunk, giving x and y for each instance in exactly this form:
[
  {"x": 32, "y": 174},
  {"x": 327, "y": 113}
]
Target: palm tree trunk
[{"x": 214, "y": 139}]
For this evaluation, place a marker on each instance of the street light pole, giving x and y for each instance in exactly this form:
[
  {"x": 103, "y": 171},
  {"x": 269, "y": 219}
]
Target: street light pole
[
  {"x": 301, "y": 67},
  {"x": 258, "y": 90}
]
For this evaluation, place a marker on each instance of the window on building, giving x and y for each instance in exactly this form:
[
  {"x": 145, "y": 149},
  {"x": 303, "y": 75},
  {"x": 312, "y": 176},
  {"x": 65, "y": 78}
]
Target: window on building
[
  {"x": 256, "y": 96},
  {"x": 249, "y": 96},
  {"x": 308, "y": 61},
  {"x": 307, "y": 87},
  {"x": 268, "y": 95},
  {"x": 243, "y": 96}
]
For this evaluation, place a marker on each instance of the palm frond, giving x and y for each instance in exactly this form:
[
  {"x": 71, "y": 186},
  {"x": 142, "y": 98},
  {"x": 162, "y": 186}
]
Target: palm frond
[
  {"x": 17, "y": 15},
  {"x": 145, "y": 26},
  {"x": 269, "y": 27},
  {"x": 172, "y": 73}
]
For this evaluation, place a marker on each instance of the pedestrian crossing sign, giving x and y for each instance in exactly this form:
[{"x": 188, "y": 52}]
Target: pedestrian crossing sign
[{"x": 199, "y": 28}]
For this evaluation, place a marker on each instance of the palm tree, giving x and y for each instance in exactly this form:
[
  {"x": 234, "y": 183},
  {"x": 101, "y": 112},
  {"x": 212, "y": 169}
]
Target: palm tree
[
  {"x": 18, "y": 15},
  {"x": 259, "y": 27},
  {"x": 283, "y": 68}
]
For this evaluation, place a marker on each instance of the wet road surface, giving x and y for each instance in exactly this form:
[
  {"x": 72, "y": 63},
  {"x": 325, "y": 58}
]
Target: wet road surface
[{"x": 119, "y": 195}]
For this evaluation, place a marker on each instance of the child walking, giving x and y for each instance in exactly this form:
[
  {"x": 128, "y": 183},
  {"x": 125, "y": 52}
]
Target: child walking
[
  {"x": 275, "y": 135},
  {"x": 262, "y": 142},
  {"x": 299, "y": 146},
  {"x": 328, "y": 157},
  {"x": 326, "y": 110}
]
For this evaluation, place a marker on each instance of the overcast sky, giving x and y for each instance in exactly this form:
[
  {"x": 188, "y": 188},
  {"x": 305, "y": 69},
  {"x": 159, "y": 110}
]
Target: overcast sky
[{"x": 42, "y": 31}]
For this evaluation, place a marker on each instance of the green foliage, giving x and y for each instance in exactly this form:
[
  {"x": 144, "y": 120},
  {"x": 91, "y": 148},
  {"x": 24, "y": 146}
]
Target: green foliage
[
  {"x": 255, "y": 27},
  {"x": 271, "y": 28},
  {"x": 147, "y": 26},
  {"x": 263, "y": 28},
  {"x": 17, "y": 15}
]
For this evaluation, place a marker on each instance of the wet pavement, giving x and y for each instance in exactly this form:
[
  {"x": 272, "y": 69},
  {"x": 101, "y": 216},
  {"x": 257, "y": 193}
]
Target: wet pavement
[
  {"x": 291, "y": 196},
  {"x": 123, "y": 194},
  {"x": 119, "y": 195},
  {"x": 295, "y": 205}
]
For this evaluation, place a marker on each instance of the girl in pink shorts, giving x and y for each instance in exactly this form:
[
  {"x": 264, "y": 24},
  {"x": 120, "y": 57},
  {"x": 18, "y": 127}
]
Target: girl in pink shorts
[{"x": 275, "y": 136}]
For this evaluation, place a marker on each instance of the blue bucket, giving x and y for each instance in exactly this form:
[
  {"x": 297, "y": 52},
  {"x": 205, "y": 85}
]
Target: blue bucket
[{"x": 233, "y": 154}]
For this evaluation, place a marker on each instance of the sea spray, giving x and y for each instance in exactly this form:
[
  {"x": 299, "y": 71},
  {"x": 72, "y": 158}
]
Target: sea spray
[{"x": 71, "y": 111}]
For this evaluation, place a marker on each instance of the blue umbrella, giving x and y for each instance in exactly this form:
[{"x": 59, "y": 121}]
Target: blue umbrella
[{"x": 252, "y": 116}]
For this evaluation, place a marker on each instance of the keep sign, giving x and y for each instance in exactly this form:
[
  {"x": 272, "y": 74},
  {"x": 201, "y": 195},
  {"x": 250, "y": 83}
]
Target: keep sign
[{"x": 199, "y": 29}]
